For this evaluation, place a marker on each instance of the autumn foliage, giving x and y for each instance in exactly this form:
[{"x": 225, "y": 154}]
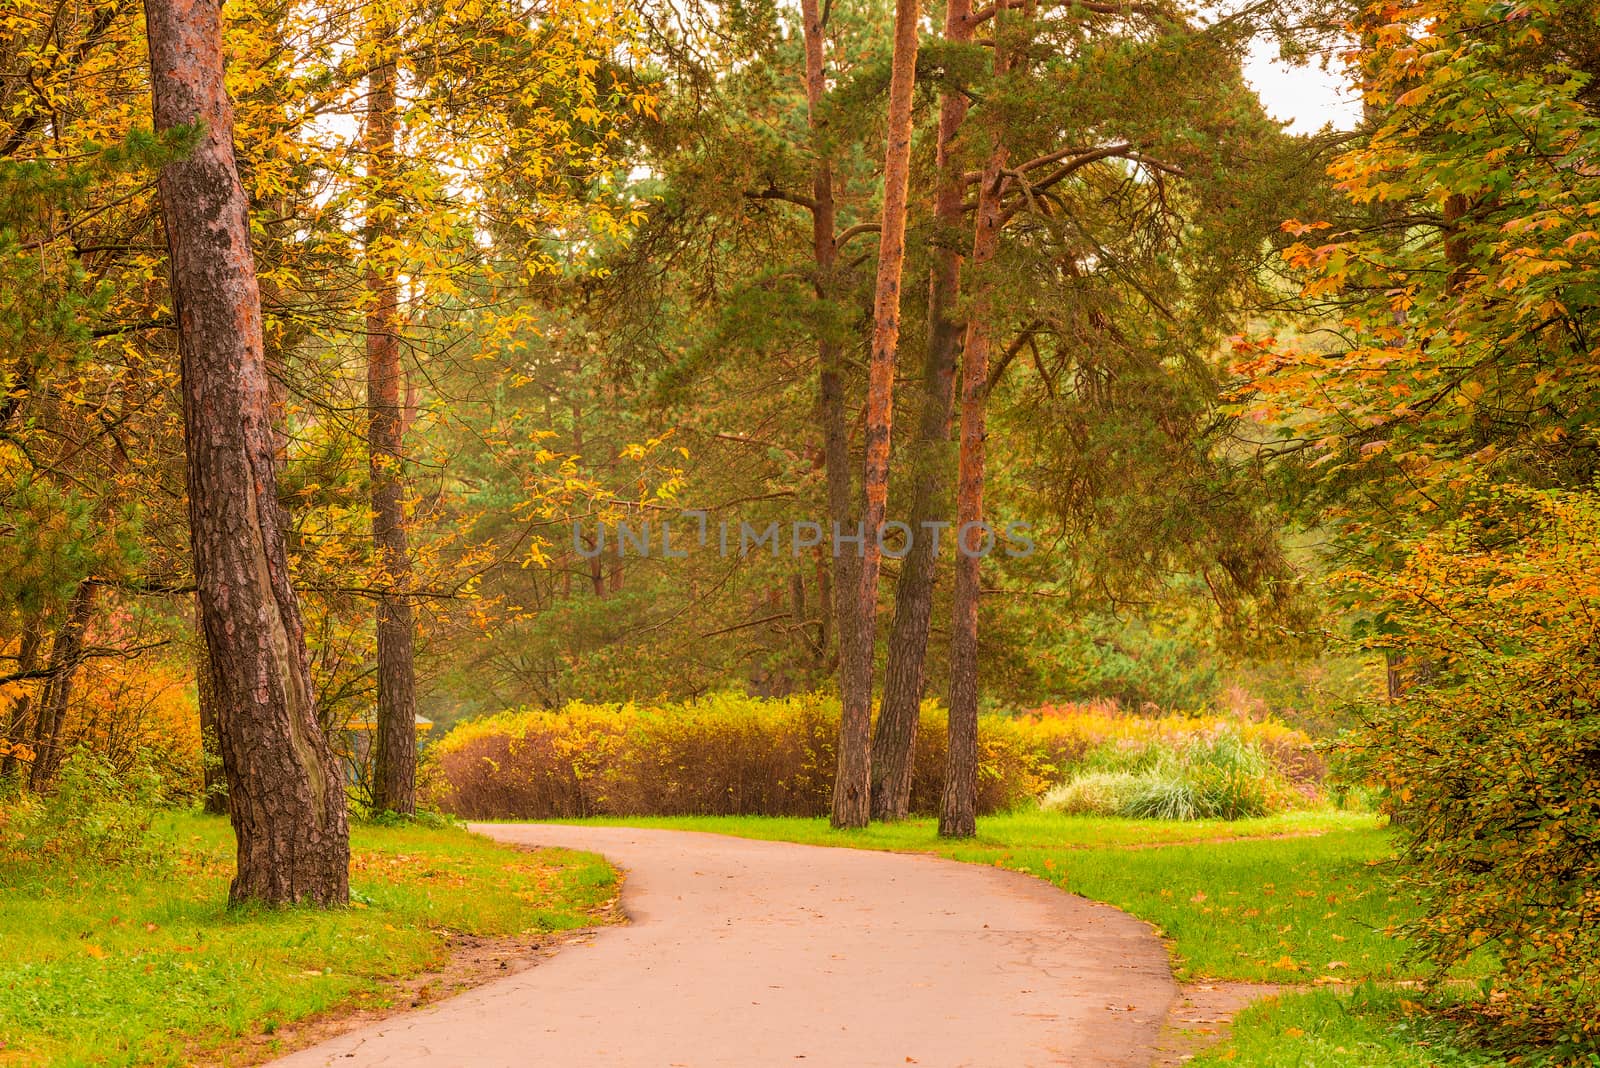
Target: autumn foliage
[
  {"x": 512, "y": 123},
  {"x": 1492, "y": 757},
  {"x": 725, "y": 755},
  {"x": 735, "y": 755},
  {"x": 1455, "y": 291},
  {"x": 1444, "y": 424}
]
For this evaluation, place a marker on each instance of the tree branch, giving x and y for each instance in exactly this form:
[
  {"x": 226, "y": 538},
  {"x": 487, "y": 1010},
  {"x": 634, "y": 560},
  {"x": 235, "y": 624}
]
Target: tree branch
[
  {"x": 93, "y": 653},
  {"x": 159, "y": 322},
  {"x": 1095, "y": 7},
  {"x": 1023, "y": 338},
  {"x": 856, "y": 231},
  {"x": 772, "y": 192}
]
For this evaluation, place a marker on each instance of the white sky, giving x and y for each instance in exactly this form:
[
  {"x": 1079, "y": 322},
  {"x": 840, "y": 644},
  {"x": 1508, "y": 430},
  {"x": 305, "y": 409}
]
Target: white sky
[{"x": 1307, "y": 96}]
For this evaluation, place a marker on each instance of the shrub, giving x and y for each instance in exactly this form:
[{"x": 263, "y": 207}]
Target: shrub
[
  {"x": 536, "y": 764},
  {"x": 728, "y": 755},
  {"x": 1492, "y": 753},
  {"x": 1099, "y": 736},
  {"x": 722, "y": 755},
  {"x": 95, "y": 813},
  {"x": 735, "y": 755}
]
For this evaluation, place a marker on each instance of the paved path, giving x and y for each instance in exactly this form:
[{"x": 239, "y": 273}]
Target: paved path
[{"x": 755, "y": 954}]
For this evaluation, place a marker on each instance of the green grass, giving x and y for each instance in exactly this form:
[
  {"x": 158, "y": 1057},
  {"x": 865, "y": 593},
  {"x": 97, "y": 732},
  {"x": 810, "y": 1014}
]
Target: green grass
[
  {"x": 1019, "y": 829},
  {"x": 1283, "y": 899},
  {"x": 1329, "y": 1028},
  {"x": 122, "y": 966}
]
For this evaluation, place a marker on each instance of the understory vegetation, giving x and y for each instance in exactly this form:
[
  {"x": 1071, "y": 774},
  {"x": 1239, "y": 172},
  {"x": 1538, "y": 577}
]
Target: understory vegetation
[
  {"x": 731, "y": 755},
  {"x": 1493, "y": 760}
]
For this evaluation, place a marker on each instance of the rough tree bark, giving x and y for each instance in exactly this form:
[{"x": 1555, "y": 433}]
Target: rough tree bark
[
  {"x": 958, "y": 815},
  {"x": 213, "y": 784},
  {"x": 894, "y": 739},
  {"x": 852, "y": 789},
  {"x": 286, "y": 798},
  {"x": 854, "y": 681},
  {"x": 394, "y": 763},
  {"x": 824, "y": 621}
]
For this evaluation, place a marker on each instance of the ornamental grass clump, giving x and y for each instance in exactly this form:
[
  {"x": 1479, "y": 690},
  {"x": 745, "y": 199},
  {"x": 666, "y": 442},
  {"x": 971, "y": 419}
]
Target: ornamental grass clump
[{"x": 1217, "y": 774}]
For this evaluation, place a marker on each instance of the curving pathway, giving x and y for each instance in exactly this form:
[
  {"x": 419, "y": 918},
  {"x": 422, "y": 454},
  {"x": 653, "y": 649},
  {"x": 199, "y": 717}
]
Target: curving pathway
[{"x": 753, "y": 954}]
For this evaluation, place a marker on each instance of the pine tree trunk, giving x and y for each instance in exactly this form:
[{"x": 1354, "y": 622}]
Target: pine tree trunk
[
  {"x": 894, "y": 741},
  {"x": 213, "y": 784},
  {"x": 824, "y": 610},
  {"x": 958, "y": 815},
  {"x": 286, "y": 798},
  {"x": 852, "y": 789},
  {"x": 394, "y": 764},
  {"x": 66, "y": 651},
  {"x": 854, "y": 682}
]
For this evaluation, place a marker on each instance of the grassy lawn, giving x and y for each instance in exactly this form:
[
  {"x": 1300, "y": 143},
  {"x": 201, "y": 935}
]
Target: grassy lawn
[
  {"x": 1329, "y": 1028},
  {"x": 134, "y": 965}
]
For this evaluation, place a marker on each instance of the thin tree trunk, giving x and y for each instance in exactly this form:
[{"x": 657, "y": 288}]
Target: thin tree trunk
[
  {"x": 894, "y": 740},
  {"x": 852, "y": 789},
  {"x": 394, "y": 764},
  {"x": 824, "y": 582},
  {"x": 614, "y": 572},
  {"x": 66, "y": 652},
  {"x": 286, "y": 798},
  {"x": 1457, "y": 246},
  {"x": 958, "y": 816},
  {"x": 597, "y": 575},
  {"x": 854, "y": 681}
]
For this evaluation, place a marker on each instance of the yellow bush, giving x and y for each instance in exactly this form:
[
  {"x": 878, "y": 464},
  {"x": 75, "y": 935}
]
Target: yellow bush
[
  {"x": 728, "y": 754},
  {"x": 722, "y": 755}
]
